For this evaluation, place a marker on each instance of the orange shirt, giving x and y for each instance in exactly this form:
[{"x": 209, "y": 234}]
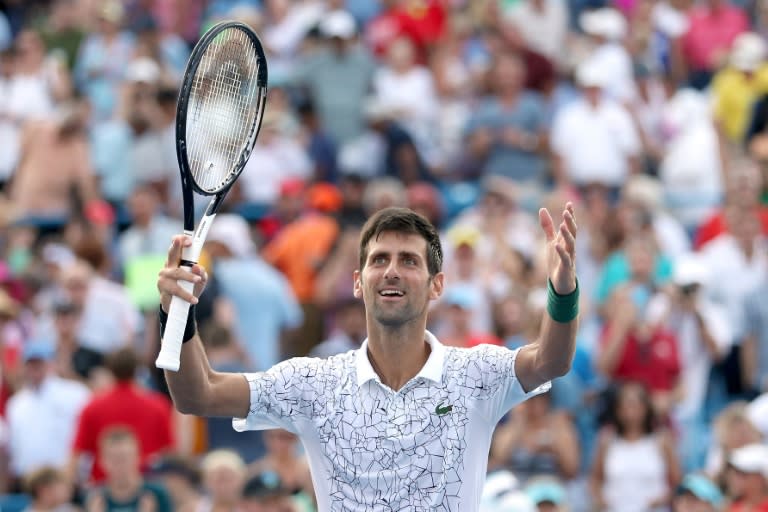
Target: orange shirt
[{"x": 300, "y": 249}]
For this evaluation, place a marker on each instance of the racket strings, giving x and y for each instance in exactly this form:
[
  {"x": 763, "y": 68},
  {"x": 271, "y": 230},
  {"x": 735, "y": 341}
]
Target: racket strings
[{"x": 224, "y": 109}]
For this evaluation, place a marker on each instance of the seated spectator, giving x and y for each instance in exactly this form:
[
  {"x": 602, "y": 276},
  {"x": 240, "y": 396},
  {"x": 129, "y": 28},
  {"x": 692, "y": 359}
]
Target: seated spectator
[
  {"x": 124, "y": 487},
  {"x": 224, "y": 474},
  {"x": 737, "y": 87},
  {"x": 348, "y": 332},
  {"x": 49, "y": 491},
  {"x": 747, "y": 478},
  {"x": 632, "y": 349},
  {"x": 260, "y": 494},
  {"x": 536, "y": 440},
  {"x": 42, "y": 416},
  {"x": 635, "y": 466},
  {"x": 147, "y": 415},
  {"x": 732, "y": 429},
  {"x": 283, "y": 463},
  {"x": 181, "y": 478},
  {"x": 548, "y": 494},
  {"x": 697, "y": 493}
]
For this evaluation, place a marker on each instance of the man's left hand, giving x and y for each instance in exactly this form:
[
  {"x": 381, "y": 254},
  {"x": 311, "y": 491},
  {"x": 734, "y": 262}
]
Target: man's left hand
[{"x": 561, "y": 249}]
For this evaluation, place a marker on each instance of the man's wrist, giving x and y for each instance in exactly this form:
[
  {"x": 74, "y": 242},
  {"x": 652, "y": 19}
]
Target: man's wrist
[
  {"x": 562, "y": 308},
  {"x": 189, "y": 330}
]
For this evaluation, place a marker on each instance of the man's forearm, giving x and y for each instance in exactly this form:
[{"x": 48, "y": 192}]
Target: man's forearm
[
  {"x": 557, "y": 345},
  {"x": 189, "y": 387}
]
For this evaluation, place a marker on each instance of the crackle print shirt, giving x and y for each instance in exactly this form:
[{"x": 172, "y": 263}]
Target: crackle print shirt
[{"x": 423, "y": 448}]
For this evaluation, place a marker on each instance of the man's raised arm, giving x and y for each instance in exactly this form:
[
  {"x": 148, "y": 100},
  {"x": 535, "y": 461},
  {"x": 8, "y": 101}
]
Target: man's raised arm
[
  {"x": 551, "y": 355},
  {"x": 196, "y": 388}
]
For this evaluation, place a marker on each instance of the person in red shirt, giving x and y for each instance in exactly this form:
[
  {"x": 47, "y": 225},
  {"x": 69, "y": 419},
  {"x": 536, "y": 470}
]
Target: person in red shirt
[
  {"x": 633, "y": 350},
  {"x": 146, "y": 413},
  {"x": 422, "y": 21},
  {"x": 744, "y": 187}
]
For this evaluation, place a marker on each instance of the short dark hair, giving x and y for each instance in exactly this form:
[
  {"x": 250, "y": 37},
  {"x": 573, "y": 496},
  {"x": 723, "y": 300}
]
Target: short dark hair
[
  {"x": 123, "y": 364},
  {"x": 405, "y": 221}
]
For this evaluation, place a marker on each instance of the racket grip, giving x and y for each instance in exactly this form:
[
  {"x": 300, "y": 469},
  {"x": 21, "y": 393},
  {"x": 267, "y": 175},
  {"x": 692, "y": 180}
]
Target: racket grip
[{"x": 170, "y": 346}]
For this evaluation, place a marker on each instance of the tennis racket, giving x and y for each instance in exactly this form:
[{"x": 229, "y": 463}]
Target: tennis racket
[{"x": 218, "y": 116}]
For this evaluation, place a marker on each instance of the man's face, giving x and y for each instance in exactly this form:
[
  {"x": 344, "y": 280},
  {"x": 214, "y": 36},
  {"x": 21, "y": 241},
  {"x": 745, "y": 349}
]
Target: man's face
[
  {"x": 120, "y": 459},
  {"x": 395, "y": 284}
]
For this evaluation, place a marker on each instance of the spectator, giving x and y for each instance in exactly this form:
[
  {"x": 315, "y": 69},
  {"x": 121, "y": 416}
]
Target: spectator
[
  {"x": 635, "y": 467},
  {"x": 146, "y": 415},
  {"x": 632, "y": 349},
  {"x": 261, "y": 494},
  {"x": 548, "y": 494},
  {"x": 109, "y": 318},
  {"x": 543, "y": 24},
  {"x": 537, "y": 440},
  {"x": 181, "y": 478},
  {"x": 507, "y": 132},
  {"x": 607, "y": 28},
  {"x": 100, "y": 64},
  {"x": 697, "y": 493},
  {"x": 736, "y": 88},
  {"x": 49, "y": 490},
  {"x": 338, "y": 76},
  {"x": 703, "y": 334},
  {"x": 40, "y": 434},
  {"x": 584, "y": 152},
  {"x": 348, "y": 330},
  {"x": 712, "y": 27},
  {"x": 284, "y": 463},
  {"x": 732, "y": 430},
  {"x": 263, "y": 304},
  {"x": 748, "y": 480},
  {"x": 124, "y": 486},
  {"x": 224, "y": 474}
]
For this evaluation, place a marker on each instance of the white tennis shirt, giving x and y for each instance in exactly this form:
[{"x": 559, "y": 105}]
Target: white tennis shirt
[{"x": 422, "y": 448}]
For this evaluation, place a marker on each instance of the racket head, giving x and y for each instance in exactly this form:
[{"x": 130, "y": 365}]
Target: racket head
[{"x": 220, "y": 107}]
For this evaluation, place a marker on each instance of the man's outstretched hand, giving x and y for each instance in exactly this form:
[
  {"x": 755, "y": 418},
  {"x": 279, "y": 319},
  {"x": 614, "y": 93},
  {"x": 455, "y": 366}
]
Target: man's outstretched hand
[{"x": 561, "y": 249}]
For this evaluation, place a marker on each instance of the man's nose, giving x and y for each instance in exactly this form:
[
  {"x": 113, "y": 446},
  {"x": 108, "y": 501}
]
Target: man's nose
[{"x": 392, "y": 271}]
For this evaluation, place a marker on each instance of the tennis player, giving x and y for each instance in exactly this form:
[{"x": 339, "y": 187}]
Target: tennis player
[{"x": 404, "y": 422}]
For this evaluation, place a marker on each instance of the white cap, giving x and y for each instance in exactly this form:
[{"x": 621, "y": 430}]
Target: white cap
[
  {"x": 752, "y": 458},
  {"x": 143, "y": 69},
  {"x": 606, "y": 22},
  {"x": 232, "y": 231},
  {"x": 338, "y": 23},
  {"x": 589, "y": 74},
  {"x": 690, "y": 269},
  {"x": 748, "y": 52}
]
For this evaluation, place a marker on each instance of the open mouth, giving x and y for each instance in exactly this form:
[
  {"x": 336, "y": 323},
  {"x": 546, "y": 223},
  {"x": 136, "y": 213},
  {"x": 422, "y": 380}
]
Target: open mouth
[{"x": 392, "y": 293}]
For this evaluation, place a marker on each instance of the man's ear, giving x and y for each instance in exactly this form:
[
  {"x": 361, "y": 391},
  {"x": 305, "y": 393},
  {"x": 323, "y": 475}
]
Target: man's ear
[
  {"x": 436, "y": 286},
  {"x": 357, "y": 287}
]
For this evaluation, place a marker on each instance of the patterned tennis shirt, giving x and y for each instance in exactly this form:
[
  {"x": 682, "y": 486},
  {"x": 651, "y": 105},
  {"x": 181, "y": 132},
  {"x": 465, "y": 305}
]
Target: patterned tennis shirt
[{"x": 422, "y": 448}]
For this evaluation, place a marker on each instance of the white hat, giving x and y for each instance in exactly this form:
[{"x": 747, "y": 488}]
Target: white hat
[
  {"x": 338, "y": 23},
  {"x": 606, "y": 22},
  {"x": 748, "y": 52},
  {"x": 752, "y": 458},
  {"x": 589, "y": 74},
  {"x": 232, "y": 231},
  {"x": 690, "y": 269},
  {"x": 143, "y": 69}
]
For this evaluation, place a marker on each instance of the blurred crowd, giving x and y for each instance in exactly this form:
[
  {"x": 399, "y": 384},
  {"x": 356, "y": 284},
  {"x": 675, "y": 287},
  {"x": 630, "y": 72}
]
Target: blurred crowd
[{"x": 650, "y": 115}]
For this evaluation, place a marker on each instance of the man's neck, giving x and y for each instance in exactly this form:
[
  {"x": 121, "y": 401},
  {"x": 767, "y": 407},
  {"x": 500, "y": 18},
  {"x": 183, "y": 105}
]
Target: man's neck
[{"x": 397, "y": 355}]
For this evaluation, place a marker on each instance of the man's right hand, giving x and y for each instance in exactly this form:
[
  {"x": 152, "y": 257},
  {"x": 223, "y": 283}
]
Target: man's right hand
[{"x": 167, "y": 281}]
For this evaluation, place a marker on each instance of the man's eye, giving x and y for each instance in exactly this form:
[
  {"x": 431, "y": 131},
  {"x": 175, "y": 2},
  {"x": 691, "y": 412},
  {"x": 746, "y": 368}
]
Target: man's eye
[
  {"x": 410, "y": 261},
  {"x": 378, "y": 260}
]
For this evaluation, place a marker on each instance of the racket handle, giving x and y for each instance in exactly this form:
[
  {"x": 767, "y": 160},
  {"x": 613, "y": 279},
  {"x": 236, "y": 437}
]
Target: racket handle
[{"x": 170, "y": 346}]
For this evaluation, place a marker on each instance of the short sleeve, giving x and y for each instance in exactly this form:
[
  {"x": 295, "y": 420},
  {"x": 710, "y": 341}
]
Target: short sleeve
[
  {"x": 286, "y": 393},
  {"x": 491, "y": 380}
]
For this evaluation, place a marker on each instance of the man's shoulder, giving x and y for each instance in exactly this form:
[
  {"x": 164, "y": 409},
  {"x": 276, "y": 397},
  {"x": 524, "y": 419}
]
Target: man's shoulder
[
  {"x": 337, "y": 365},
  {"x": 482, "y": 362}
]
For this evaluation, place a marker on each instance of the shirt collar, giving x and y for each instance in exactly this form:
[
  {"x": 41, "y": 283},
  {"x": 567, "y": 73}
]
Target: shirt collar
[{"x": 432, "y": 369}]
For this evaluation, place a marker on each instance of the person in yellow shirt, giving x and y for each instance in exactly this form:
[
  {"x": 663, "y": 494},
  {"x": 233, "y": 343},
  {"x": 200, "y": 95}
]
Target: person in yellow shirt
[{"x": 737, "y": 87}]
